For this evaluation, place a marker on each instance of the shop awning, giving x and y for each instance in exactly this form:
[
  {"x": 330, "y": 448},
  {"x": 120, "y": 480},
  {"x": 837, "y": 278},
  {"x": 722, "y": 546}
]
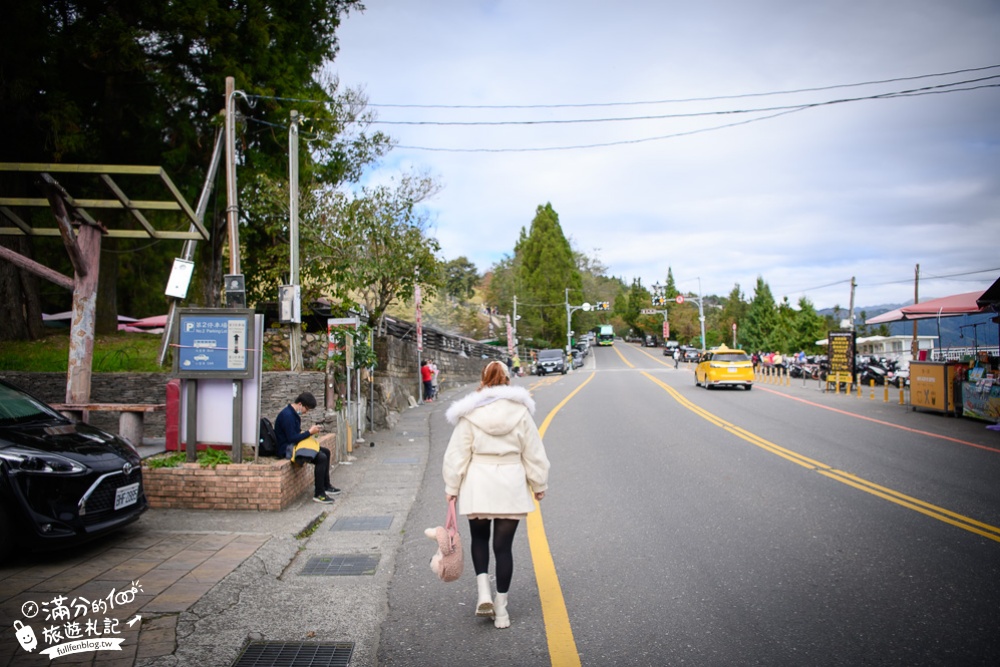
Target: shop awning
[{"x": 946, "y": 306}]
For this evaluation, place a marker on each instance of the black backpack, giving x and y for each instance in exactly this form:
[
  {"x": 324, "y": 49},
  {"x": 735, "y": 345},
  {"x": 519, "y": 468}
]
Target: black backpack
[{"x": 268, "y": 443}]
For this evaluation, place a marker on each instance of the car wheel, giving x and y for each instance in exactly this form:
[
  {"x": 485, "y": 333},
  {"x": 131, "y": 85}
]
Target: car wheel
[
  {"x": 696, "y": 383},
  {"x": 748, "y": 387}
]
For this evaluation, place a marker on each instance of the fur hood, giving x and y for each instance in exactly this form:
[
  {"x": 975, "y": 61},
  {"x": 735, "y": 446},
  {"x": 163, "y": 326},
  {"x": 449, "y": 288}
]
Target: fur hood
[{"x": 510, "y": 403}]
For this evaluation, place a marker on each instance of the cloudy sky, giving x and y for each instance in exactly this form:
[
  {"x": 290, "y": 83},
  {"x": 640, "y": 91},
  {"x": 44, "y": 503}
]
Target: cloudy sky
[{"x": 722, "y": 165}]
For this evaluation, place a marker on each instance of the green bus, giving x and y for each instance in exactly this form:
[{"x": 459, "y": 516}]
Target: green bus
[{"x": 605, "y": 335}]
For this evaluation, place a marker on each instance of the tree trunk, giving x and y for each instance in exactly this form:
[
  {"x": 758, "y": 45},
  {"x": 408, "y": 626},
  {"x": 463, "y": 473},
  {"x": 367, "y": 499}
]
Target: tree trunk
[{"x": 20, "y": 310}]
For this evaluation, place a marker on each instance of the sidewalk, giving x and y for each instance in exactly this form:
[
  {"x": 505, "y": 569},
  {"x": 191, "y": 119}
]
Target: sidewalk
[{"x": 211, "y": 581}]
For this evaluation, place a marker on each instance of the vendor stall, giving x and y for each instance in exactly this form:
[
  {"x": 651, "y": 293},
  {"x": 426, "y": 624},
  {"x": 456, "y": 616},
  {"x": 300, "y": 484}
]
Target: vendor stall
[
  {"x": 981, "y": 400},
  {"x": 981, "y": 390},
  {"x": 970, "y": 387},
  {"x": 932, "y": 386}
]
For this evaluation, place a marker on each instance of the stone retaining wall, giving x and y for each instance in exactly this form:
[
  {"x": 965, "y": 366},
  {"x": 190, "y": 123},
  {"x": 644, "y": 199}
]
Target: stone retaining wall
[
  {"x": 277, "y": 390},
  {"x": 395, "y": 384}
]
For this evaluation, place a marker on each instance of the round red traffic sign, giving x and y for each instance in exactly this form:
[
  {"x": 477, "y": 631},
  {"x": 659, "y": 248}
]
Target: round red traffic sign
[{"x": 680, "y": 298}]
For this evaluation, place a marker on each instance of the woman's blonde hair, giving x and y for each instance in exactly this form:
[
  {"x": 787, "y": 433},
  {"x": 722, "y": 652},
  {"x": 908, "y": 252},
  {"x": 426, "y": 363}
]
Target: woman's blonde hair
[{"x": 494, "y": 374}]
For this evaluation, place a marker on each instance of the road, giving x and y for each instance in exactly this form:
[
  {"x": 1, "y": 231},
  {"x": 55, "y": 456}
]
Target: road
[{"x": 780, "y": 526}]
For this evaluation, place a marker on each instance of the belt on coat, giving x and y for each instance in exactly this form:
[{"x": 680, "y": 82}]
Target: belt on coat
[{"x": 497, "y": 459}]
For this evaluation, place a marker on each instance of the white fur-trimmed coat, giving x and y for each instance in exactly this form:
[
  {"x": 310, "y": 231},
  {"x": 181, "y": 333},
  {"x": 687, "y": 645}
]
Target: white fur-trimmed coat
[{"x": 495, "y": 421}]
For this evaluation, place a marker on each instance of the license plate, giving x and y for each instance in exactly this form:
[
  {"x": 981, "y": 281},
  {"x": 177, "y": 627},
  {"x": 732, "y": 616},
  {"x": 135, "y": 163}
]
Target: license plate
[
  {"x": 126, "y": 495},
  {"x": 732, "y": 369}
]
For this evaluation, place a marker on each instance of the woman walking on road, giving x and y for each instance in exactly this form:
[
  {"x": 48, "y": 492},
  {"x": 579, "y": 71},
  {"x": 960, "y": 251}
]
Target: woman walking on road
[{"x": 494, "y": 455}]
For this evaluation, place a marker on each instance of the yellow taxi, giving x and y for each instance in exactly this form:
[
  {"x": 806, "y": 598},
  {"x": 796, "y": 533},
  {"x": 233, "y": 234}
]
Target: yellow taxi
[{"x": 722, "y": 367}]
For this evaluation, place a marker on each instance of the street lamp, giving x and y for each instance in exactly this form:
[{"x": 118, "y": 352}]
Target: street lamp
[
  {"x": 701, "y": 313},
  {"x": 569, "y": 326}
]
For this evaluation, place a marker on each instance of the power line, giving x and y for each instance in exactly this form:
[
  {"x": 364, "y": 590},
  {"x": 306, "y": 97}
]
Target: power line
[
  {"x": 925, "y": 277},
  {"x": 622, "y": 142},
  {"x": 694, "y": 114},
  {"x": 819, "y": 287},
  {"x": 778, "y": 111},
  {"x": 679, "y": 100}
]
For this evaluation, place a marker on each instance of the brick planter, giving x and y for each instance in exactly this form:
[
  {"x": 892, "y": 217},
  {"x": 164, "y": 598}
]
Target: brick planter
[{"x": 268, "y": 486}]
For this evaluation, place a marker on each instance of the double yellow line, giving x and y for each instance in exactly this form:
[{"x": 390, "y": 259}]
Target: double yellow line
[
  {"x": 559, "y": 632},
  {"x": 941, "y": 514},
  {"x": 901, "y": 499}
]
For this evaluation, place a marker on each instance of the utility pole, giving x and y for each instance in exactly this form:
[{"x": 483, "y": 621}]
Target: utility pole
[
  {"x": 515, "y": 323},
  {"x": 232, "y": 208},
  {"x": 701, "y": 315},
  {"x": 232, "y": 221},
  {"x": 915, "y": 343},
  {"x": 294, "y": 329},
  {"x": 569, "y": 326},
  {"x": 851, "y": 319},
  {"x": 420, "y": 333}
]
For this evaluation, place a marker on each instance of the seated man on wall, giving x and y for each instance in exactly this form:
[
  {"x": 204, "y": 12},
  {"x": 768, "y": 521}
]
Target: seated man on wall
[{"x": 288, "y": 431}]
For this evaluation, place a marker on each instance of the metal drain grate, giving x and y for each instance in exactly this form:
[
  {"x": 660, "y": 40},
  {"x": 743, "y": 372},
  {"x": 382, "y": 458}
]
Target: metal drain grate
[
  {"x": 362, "y": 523},
  {"x": 408, "y": 460},
  {"x": 296, "y": 654},
  {"x": 334, "y": 566}
]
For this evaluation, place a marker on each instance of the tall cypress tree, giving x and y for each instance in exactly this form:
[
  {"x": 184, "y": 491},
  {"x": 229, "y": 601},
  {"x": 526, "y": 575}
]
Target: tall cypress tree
[
  {"x": 761, "y": 319},
  {"x": 547, "y": 268}
]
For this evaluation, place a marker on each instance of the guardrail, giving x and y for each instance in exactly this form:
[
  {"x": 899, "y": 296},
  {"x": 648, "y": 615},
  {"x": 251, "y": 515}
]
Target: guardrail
[{"x": 440, "y": 341}]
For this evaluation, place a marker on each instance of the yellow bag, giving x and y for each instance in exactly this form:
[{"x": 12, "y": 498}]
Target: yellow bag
[{"x": 305, "y": 451}]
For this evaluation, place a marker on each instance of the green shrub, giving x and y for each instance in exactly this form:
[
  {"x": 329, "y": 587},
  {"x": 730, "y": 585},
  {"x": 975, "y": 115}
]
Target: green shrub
[{"x": 206, "y": 458}]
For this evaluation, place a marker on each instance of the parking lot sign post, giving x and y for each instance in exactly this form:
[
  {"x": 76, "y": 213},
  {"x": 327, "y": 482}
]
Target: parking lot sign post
[{"x": 214, "y": 343}]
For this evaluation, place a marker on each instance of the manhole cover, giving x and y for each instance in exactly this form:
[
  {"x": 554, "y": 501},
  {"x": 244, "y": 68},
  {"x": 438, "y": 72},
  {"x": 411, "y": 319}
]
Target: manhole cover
[
  {"x": 296, "y": 654},
  {"x": 362, "y": 523},
  {"x": 334, "y": 566},
  {"x": 402, "y": 460}
]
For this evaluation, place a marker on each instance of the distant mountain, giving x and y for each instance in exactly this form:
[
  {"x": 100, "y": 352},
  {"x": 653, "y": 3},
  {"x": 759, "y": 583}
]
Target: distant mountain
[{"x": 955, "y": 331}]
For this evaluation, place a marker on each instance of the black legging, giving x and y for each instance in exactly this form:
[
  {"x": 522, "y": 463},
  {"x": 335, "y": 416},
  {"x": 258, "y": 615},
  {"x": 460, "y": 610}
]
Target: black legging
[{"x": 503, "y": 541}]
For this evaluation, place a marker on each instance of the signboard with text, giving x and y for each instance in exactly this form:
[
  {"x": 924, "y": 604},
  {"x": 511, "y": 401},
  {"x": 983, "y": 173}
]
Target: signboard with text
[
  {"x": 214, "y": 343},
  {"x": 841, "y": 356}
]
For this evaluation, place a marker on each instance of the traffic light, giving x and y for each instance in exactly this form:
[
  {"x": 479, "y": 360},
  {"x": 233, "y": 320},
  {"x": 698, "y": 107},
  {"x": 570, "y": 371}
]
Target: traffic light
[
  {"x": 602, "y": 305},
  {"x": 657, "y": 300}
]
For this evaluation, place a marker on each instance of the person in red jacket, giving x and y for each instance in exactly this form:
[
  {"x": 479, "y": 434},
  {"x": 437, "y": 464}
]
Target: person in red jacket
[{"x": 427, "y": 377}]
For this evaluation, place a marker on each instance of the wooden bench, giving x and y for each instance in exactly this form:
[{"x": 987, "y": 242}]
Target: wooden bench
[{"x": 130, "y": 422}]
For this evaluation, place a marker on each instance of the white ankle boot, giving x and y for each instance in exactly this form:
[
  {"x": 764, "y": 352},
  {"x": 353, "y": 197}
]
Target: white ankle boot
[
  {"x": 501, "y": 619},
  {"x": 484, "y": 607}
]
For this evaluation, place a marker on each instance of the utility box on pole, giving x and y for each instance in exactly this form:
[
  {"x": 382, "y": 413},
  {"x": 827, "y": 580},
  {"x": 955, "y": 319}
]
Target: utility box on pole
[
  {"x": 290, "y": 304},
  {"x": 236, "y": 294}
]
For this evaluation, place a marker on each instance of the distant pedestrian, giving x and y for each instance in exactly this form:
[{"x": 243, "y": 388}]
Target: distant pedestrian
[
  {"x": 426, "y": 376},
  {"x": 677, "y": 358},
  {"x": 496, "y": 466},
  {"x": 288, "y": 432},
  {"x": 435, "y": 382}
]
